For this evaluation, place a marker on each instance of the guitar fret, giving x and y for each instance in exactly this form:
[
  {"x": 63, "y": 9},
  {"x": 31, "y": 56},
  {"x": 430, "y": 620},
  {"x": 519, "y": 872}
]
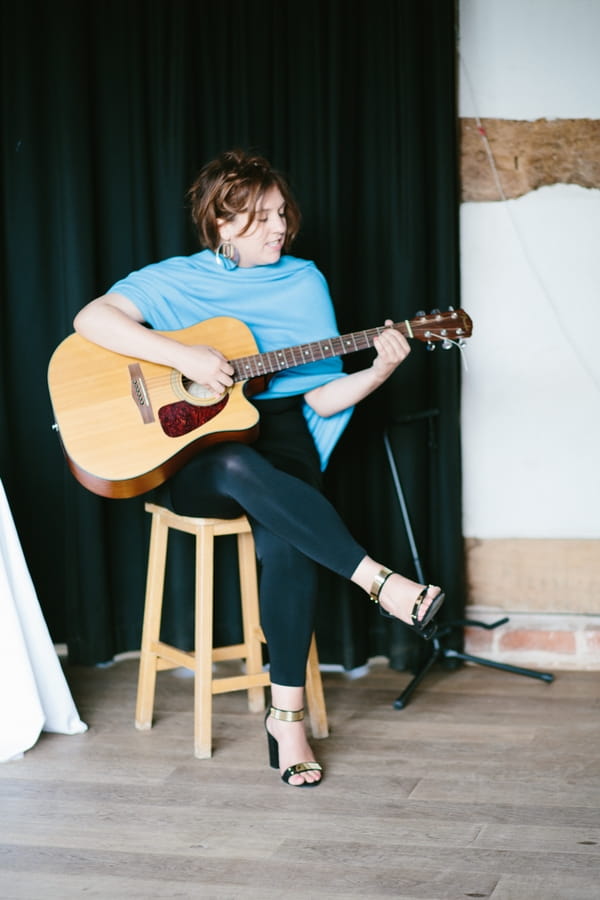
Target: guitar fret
[
  {"x": 363, "y": 340},
  {"x": 277, "y": 360},
  {"x": 328, "y": 349},
  {"x": 244, "y": 368}
]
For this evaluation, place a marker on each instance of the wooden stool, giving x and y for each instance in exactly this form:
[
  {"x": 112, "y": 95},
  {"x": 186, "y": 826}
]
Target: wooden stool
[{"x": 156, "y": 655}]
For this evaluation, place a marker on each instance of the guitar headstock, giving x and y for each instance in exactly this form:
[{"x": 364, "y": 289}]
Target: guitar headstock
[{"x": 452, "y": 325}]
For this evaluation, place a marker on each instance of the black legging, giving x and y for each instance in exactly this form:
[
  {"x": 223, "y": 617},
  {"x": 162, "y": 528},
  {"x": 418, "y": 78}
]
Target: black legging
[{"x": 294, "y": 527}]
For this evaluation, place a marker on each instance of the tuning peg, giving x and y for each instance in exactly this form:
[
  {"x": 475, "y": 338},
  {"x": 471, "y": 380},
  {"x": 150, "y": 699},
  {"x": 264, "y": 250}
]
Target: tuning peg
[
  {"x": 435, "y": 312},
  {"x": 430, "y": 346},
  {"x": 446, "y": 345},
  {"x": 461, "y": 343},
  {"x": 420, "y": 314}
]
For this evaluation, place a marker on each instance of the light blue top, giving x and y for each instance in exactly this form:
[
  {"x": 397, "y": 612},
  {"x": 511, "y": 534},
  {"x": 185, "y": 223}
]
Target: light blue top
[{"x": 283, "y": 304}]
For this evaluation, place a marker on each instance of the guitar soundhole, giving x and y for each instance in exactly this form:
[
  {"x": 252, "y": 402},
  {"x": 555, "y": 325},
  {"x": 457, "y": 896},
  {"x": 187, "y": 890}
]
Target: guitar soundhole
[
  {"x": 197, "y": 392},
  {"x": 192, "y": 392},
  {"x": 182, "y": 417}
]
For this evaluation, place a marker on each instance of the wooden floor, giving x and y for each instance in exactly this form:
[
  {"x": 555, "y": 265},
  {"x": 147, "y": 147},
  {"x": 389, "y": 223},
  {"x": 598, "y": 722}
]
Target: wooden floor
[{"x": 486, "y": 785}]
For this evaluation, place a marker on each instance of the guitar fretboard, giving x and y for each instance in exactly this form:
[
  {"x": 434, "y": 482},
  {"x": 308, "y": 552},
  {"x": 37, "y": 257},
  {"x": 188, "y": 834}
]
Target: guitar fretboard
[{"x": 276, "y": 360}]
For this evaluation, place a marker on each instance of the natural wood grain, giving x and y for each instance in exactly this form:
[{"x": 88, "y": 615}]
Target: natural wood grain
[
  {"x": 534, "y": 574},
  {"x": 486, "y": 785}
]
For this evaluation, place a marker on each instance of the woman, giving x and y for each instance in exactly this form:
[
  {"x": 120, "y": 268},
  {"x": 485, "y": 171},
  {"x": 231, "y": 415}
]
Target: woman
[{"x": 247, "y": 219}]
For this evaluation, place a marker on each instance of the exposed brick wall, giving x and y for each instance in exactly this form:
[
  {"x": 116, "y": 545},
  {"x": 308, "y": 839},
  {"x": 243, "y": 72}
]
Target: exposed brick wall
[
  {"x": 549, "y": 589},
  {"x": 537, "y": 641},
  {"x": 528, "y": 155}
]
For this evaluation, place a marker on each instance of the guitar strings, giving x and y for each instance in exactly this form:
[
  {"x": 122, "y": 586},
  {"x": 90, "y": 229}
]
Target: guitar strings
[
  {"x": 461, "y": 345},
  {"x": 161, "y": 379}
]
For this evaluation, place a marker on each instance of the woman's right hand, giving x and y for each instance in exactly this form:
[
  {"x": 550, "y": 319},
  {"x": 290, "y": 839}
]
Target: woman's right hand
[
  {"x": 206, "y": 366},
  {"x": 114, "y": 322}
]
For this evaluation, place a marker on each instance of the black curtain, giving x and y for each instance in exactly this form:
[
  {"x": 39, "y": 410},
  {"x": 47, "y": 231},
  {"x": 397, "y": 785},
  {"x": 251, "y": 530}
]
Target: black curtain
[{"x": 108, "y": 111}]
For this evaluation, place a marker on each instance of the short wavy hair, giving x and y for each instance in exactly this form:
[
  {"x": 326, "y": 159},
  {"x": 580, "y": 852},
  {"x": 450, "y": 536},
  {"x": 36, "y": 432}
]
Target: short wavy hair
[{"x": 234, "y": 183}]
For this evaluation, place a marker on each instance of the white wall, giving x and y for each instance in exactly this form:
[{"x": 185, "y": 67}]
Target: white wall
[
  {"x": 530, "y": 59},
  {"x": 531, "y": 282}
]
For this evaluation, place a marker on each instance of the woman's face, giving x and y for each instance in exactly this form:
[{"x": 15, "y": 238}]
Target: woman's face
[{"x": 262, "y": 244}]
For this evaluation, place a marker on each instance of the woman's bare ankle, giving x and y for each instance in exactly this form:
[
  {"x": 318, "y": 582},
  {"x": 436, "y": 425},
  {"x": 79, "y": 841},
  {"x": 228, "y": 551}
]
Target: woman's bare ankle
[{"x": 396, "y": 593}]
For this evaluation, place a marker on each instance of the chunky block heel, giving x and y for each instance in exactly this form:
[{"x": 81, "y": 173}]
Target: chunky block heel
[
  {"x": 273, "y": 746},
  {"x": 286, "y": 715}
]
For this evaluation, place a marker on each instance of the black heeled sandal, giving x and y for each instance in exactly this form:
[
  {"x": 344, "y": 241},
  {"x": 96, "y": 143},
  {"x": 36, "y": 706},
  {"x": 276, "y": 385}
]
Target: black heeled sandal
[
  {"x": 424, "y": 627},
  {"x": 286, "y": 715}
]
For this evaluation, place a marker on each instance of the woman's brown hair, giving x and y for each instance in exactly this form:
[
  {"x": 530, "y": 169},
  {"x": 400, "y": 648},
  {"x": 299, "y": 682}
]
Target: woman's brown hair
[{"x": 233, "y": 183}]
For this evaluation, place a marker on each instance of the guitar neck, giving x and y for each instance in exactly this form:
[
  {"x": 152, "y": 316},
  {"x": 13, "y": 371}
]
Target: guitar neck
[
  {"x": 447, "y": 327},
  {"x": 246, "y": 367}
]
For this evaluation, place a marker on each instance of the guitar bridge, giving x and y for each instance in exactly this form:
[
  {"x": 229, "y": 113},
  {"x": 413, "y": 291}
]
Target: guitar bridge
[{"x": 139, "y": 392}]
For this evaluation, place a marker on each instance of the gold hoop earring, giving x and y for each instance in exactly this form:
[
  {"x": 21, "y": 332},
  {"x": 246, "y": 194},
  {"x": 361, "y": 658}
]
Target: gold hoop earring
[{"x": 227, "y": 255}]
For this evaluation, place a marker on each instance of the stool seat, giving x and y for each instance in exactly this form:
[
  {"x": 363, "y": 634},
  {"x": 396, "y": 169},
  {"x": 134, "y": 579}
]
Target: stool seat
[{"x": 156, "y": 655}]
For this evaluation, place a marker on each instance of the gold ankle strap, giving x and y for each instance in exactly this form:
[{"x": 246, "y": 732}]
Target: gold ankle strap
[
  {"x": 378, "y": 582},
  {"x": 287, "y": 715}
]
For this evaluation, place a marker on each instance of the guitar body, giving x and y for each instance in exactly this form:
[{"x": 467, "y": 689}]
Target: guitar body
[{"x": 127, "y": 425}]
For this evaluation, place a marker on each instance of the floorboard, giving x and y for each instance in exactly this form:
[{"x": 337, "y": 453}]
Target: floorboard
[{"x": 487, "y": 785}]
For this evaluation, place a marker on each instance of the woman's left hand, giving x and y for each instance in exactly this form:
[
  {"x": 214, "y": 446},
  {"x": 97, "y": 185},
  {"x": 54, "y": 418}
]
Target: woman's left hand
[
  {"x": 330, "y": 398},
  {"x": 392, "y": 349}
]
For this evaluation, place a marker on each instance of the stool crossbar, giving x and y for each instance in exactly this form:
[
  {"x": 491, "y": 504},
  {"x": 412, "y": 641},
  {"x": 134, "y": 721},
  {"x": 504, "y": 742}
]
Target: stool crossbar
[{"x": 156, "y": 655}]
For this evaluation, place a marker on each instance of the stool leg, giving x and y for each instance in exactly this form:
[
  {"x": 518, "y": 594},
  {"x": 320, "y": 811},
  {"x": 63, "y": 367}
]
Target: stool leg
[
  {"x": 315, "y": 699},
  {"x": 251, "y": 617},
  {"x": 155, "y": 581},
  {"x": 203, "y": 643}
]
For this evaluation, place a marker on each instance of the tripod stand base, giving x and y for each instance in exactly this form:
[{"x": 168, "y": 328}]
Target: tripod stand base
[{"x": 440, "y": 653}]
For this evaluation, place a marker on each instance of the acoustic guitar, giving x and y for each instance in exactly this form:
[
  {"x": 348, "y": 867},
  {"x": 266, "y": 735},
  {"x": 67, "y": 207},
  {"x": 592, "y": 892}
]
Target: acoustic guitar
[{"x": 127, "y": 425}]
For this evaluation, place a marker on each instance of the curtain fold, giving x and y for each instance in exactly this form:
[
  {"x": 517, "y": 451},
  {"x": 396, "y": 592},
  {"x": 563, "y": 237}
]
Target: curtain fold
[{"x": 108, "y": 110}]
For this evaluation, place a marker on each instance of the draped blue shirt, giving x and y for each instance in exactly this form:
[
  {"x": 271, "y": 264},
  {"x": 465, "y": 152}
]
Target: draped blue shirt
[{"x": 283, "y": 304}]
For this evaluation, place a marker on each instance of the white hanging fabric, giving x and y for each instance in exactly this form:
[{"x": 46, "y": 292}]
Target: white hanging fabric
[{"x": 34, "y": 694}]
